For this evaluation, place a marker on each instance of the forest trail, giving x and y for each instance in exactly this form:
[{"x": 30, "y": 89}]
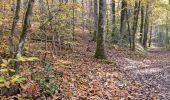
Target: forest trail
[{"x": 153, "y": 72}]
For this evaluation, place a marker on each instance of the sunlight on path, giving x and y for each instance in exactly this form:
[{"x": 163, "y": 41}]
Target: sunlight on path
[{"x": 153, "y": 72}]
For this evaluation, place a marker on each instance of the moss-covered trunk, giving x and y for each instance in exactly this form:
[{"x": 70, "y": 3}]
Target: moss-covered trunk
[{"x": 100, "y": 52}]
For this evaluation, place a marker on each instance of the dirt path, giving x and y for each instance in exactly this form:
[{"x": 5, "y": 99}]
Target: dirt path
[{"x": 153, "y": 73}]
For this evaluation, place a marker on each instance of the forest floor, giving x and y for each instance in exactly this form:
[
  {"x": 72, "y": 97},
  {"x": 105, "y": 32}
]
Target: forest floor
[
  {"x": 124, "y": 75},
  {"x": 152, "y": 73}
]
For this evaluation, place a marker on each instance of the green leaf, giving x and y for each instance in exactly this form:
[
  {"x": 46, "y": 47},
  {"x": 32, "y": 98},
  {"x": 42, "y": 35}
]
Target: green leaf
[
  {"x": 2, "y": 80},
  {"x": 15, "y": 78},
  {"x": 4, "y": 61},
  {"x": 18, "y": 55},
  {"x": 32, "y": 59},
  {"x": 21, "y": 79},
  {"x": 9, "y": 60},
  {"x": 21, "y": 59},
  {"x": 12, "y": 70},
  {"x": 2, "y": 85},
  {"x": 3, "y": 70}
]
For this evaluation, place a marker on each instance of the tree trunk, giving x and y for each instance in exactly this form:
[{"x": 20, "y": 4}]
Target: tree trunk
[
  {"x": 14, "y": 24},
  {"x": 135, "y": 22},
  {"x": 142, "y": 18},
  {"x": 24, "y": 32},
  {"x": 73, "y": 33},
  {"x": 113, "y": 18},
  {"x": 142, "y": 23},
  {"x": 129, "y": 29},
  {"x": 107, "y": 17},
  {"x": 146, "y": 26},
  {"x": 49, "y": 14},
  {"x": 150, "y": 35},
  {"x": 123, "y": 18},
  {"x": 100, "y": 53},
  {"x": 167, "y": 30},
  {"x": 83, "y": 15},
  {"x": 96, "y": 15}
]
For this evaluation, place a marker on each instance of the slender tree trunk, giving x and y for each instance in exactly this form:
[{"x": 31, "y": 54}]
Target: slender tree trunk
[
  {"x": 146, "y": 26},
  {"x": 73, "y": 33},
  {"x": 49, "y": 14},
  {"x": 14, "y": 24},
  {"x": 24, "y": 32},
  {"x": 83, "y": 15},
  {"x": 167, "y": 35},
  {"x": 113, "y": 18},
  {"x": 100, "y": 52},
  {"x": 150, "y": 35},
  {"x": 135, "y": 22},
  {"x": 96, "y": 15},
  {"x": 129, "y": 29},
  {"x": 123, "y": 18},
  {"x": 90, "y": 16},
  {"x": 107, "y": 16},
  {"x": 142, "y": 23},
  {"x": 142, "y": 19}
]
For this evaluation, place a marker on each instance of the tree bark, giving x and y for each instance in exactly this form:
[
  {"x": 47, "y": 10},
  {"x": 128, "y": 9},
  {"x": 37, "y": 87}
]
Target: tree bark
[
  {"x": 146, "y": 26},
  {"x": 113, "y": 18},
  {"x": 129, "y": 29},
  {"x": 123, "y": 18},
  {"x": 14, "y": 24},
  {"x": 142, "y": 18},
  {"x": 96, "y": 15},
  {"x": 49, "y": 15},
  {"x": 24, "y": 32},
  {"x": 100, "y": 52},
  {"x": 73, "y": 33},
  {"x": 167, "y": 30},
  {"x": 150, "y": 35},
  {"x": 135, "y": 22},
  {"x": 83, "y": 15},
  {"x": 142, "y": 23}
]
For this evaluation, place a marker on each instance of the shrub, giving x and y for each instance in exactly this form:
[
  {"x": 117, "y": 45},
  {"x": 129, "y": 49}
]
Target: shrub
[
  {"x": 8, "y": 77},
  {"x": 47, "y": 78}
]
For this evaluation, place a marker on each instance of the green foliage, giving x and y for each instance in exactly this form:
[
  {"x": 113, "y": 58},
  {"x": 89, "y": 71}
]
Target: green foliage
[
  {"x": 47, "y": 77},
  {"x": 23, "y": 58},
  {"x": 63, "y": 13},
  {"x": 116, "y": 37},
  {"x": 8, "y": 76},
  {"x": 48, "y": 87},
  {"x": 8, "y": 80}
]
